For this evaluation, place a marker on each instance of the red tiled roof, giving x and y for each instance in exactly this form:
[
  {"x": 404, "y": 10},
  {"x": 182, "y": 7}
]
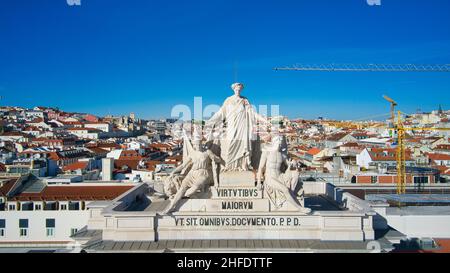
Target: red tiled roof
[
  {"x": 443, "y": 147},
  {"x": 337, "y": 136},
  {"x": 14, "y": 133},
  {"x": 130, "y": 155},
  {"x": 132, "y": 164},
  {"x": 444, "y": 245},
  {"x": 442, "y": 169},
  {"x": 438, "y": 156},
  {"x": 151, "y": 164},
  {"x": 97, "y": 150},
  {"x": 176, "y": 158},
  {"x": 413, "y": 140},
  {"x": 302, "y": 147},
  {"x": 85, "y": 129},
  {"x": 387, "y": 154},
  {"x": 81, "y": 165},
  {"x": 7, "y": 185},
  {"x": 31, "y": 128},
  {"x": 108, "y": 145},
  {"x": 78, "y": 193},
  {"x": 359, "y": 134},
  {"x": 72, "y": 122},
  {"x": 350, "y": 144},
  {"x": 313, "y": 151},
  {"x": 160, "y": 145}
]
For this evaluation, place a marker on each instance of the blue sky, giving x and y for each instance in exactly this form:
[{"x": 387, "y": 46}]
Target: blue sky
[{"x": 117, "y": 56}]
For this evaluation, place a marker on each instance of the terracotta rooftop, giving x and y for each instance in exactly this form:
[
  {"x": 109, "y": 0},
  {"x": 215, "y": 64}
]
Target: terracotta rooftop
[
  {"x": 313, "y": 151},
  {"x": 81, "y": 165},
  {"x": 350, "y": 144},
  {"x": 76, "y": 193},
  {"x": 387, "y": 154},
  {"x": 438, "y": 156},
  {"x": 132, "y": 164},
  {"x": 14, "y": 133},
  {"x": 444, "y": 170},
  {"x": 337, "y": 137},
  {"x": 443, "y": 147},
  {"x": 97, "y": 150},
  {"x": 7, "y": 185}
]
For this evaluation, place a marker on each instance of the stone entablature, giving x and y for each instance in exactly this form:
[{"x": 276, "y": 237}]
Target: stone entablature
[{"x": 353, "y": 223}]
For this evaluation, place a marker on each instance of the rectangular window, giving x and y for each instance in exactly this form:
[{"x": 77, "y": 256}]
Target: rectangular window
[
  {"x": 23, "y": 225},
  {"x": 2, "y": 227},
  {"x": 74, "y": 205},
  {"x": 23, "y": 232},
  {"x": 73, "y": 231},
  {"x": 38, "y": 207},
  {"x": 50, "y": 225},
  {"x": 27, "y": 206},
  {"x": 374, "y": 179},
  {"x": 63, "y": 207},
  {"x": 50, "y": 232},
  {"x": 11, "y": 207},
  {"x": 50, "y": 206},
  {"x": 420, "y": 179}
]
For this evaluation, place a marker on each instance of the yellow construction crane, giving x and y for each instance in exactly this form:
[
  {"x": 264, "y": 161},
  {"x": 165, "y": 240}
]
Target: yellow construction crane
[
  {"x": 397, "y": 126},
  {"x": 401, "y": 153},
  {"x": 393, "y": 104}
]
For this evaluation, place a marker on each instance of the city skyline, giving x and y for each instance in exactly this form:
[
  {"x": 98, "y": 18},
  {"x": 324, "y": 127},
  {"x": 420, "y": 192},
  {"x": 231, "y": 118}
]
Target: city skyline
[{"x": 128, "y": 61}]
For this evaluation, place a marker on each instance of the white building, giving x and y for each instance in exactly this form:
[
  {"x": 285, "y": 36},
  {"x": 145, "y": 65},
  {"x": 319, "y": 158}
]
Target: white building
[
  {"x": 35, "y": 114},
  {"x": 87, "y": 133},
  {"x": 102, "y": 126},
  {"x": 44, "y": 215},
  {"x": 380, "y": 157},
  {"x": 338, "y": 139}
]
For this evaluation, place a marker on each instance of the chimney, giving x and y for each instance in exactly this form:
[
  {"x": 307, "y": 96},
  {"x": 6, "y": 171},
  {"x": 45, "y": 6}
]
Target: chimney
[{"x": 107, "y": 169}]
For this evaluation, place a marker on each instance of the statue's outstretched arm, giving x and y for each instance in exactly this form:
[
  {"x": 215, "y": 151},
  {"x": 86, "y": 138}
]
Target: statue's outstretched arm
[
  {"x": 216, "y": 118},
  {"x": 215, "y": 158},
  {"x": 259, "y": 118}
]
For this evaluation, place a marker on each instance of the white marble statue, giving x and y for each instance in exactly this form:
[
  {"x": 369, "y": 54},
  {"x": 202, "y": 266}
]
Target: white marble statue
[
  {"x": 238, "y": 120},
  {"x": 275, "y": 180},
  {"x": 199, "y": 176}
]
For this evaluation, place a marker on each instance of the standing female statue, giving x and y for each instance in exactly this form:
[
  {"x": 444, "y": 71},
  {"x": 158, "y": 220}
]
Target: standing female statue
[{"x": 239, "y": 120}]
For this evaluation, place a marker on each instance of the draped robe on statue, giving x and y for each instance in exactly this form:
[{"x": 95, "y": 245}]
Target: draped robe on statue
[{"x": 238, "y": 145}]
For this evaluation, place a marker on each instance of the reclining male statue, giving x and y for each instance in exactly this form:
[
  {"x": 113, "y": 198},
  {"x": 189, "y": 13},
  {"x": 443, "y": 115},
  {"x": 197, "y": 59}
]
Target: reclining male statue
[
  {"x": 276, "y": 181},
  {"x": 199, "y": 177}
]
